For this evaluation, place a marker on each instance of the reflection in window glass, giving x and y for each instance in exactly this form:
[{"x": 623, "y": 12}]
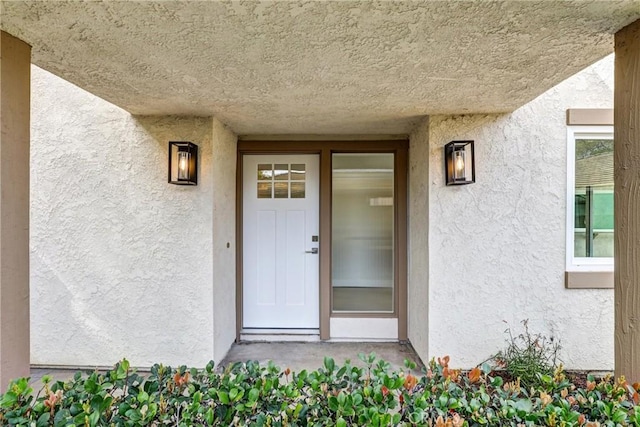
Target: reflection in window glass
[
  {"x": 297, "y": 172},
  {"x": 362, "y": 226},
  {"x": 265, "y": 172},
  {"x": 264, "y": 190},
  {"x": 281, "y": 190},
  {"x": 297, "y": 190},
  {"x": 274, "y": 181},
  {"x": 281, "y": 172},
  {"x": 593, "y": 213}
]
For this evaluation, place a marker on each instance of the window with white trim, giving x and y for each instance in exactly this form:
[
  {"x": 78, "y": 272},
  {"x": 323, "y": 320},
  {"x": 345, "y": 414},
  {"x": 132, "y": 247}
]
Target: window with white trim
[{"x": 590, "y": 198}]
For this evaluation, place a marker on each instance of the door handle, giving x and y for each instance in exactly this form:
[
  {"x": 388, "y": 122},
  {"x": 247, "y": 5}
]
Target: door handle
[{"x": 312, "y": 251}]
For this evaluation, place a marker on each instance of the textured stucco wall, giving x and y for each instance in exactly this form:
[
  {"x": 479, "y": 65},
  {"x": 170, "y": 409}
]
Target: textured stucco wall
[
  {"x": 121, "y": 261},
  {"x": 497, "y": 247},
  {"x": 418, "y": 253},
  {"x": 316, "y": 67},
  {"x": 125, "y": 265},
  {"x": 223, "y": 167}
]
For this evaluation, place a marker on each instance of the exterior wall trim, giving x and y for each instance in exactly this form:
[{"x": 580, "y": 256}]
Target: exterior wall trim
[
  {"x": 590, "y": 117},
  {"x": 588, "y": 279}
]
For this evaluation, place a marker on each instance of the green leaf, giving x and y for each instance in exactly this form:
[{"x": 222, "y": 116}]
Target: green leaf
[
  {"x": 43, "y": 420},
  {"x": 546, "y": 379},
  {"x": 224, "y": 397},
  {"x": 341, "y": 372},
  {"x": 90, "y": 385},
  {"x": 253, "y": 396},
  {"x": 443, "y": 401},
  {"x": 524, "y": 405},
  {"x": 357, "y": 399},
  {"x": 341, "y": 422},
  {"x": 333, "y": 403},
  {"x": 75, "y": 409},
  {"x": 417, "y": 417},
  {"x": 329, "y": 364},
  {"x": 397, "y": 417},
  {"x": 143, "y": 396},
  {"x": 342, "y": 397},
  {"x": 208, "y": 417},
  {"x": 133, "y": 415},
  {"x": 153, "y": 409},
  {"x": 8, "y": 399},
  {"x": 94, "y": 417},
  {"x": 238, "y": 396},
  {"x": 367, "y": 391},
  {"x": 296, "y": 412}
]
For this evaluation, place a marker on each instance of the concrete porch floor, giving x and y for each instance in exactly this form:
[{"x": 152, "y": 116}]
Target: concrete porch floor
[
  {"x": 310, "y": 355},
  {"x": 293, "y": 355}
]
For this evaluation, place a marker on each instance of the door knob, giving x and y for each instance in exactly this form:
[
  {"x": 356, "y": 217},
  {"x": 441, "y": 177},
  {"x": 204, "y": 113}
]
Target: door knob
[{"x": 312, "y": 251}]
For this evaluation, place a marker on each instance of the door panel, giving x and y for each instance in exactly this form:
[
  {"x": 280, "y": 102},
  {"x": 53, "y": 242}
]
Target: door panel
[{"x": 280, "y": 218}]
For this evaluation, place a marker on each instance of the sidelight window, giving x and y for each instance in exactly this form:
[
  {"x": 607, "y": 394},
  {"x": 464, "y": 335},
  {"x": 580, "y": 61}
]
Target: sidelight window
[{"x": 362, "y": 232}]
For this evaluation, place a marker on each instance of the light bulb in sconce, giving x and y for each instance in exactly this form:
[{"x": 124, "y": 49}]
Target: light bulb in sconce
[
  {"x": 183, "y": 165},
  {"x": 459, "y": 164}
]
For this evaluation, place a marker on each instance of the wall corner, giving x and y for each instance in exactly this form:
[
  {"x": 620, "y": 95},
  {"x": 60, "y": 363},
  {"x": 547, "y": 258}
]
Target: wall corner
[
  {"x": 418, "y": 235},
  {"x": 224, "y": 152}
]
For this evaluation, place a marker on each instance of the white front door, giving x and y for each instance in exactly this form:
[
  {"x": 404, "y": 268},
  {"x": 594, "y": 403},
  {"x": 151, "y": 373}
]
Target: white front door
[{"x": 280, "y": 241}]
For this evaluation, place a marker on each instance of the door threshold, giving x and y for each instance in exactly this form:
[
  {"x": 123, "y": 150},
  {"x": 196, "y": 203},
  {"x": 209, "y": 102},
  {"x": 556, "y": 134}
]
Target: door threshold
[{"x": 266, "y": 334}]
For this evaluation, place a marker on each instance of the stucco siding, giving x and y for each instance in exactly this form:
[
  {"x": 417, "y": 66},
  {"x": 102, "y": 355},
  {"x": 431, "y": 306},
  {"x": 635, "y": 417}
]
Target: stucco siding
[
  {"x": 497, "y": 247},
  {"x": 121, "y": 261},
  {"x": 125, "y": 265},
  {"x": 224, "y": 231},
  {"x": 418, "y": 253}
]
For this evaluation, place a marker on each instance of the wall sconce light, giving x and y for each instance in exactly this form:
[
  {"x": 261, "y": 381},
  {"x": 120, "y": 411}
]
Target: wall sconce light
[
  {"x": 183, "y": 163},
  {"x": 459, "y": 163}
]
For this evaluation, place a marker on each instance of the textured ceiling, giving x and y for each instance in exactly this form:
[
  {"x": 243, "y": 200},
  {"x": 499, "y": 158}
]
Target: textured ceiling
[{"x": 317, "y": 67}]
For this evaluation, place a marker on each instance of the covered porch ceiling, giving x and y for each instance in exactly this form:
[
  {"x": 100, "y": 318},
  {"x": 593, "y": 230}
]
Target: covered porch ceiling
[{"x": 335, "y": 67}]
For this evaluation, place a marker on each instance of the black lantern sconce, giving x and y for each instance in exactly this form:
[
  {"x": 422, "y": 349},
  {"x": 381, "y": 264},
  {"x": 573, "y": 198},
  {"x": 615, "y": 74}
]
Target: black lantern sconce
[
  {"x": 459, "y": 163},
  {"x": 183, "y": 163}
]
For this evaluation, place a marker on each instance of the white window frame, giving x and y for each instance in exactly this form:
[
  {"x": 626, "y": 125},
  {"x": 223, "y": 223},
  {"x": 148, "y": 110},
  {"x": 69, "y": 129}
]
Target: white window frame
[{"x": 581, "y": 263}]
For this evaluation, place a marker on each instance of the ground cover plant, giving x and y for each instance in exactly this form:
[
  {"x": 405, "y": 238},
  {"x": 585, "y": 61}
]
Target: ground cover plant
[
  {"x": 528, "y": 356},
  {"x": 347, "y": 395}
]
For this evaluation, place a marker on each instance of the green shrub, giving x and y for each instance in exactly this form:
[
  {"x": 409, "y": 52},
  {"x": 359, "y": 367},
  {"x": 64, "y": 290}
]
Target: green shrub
[{"x": 373, "y": 395}]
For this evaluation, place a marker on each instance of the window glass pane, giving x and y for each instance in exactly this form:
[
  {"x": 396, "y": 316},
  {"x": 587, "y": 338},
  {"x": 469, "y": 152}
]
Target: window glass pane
[
  {"x": 264, "y": 172},
  {"x": 297, "y": 190},
  {"x": 593, "y": 219},
  {"x": 264, "y": 190},
  {"x": 281, "y": 190},
  {"x": 281, "y": 172},
  {"x": 362, "y": 268},
  {"x": 297, "y": 171}
]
